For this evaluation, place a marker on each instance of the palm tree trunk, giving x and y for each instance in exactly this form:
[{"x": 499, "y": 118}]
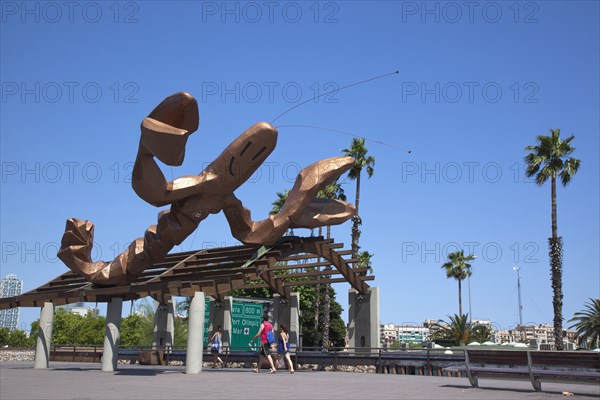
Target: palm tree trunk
[
  {"x": 318, "y": 293},
  {"x": 356, "y": 220},
  {"x": 554, "y": 222},
  {"x": 459, "y": 299},
  {"x": 327, "y": 303},
  {"x": 555, "y": 248},
  {"x": 357, "y": 199},
  {"x": 317, "y": 306},
  {"x": 326, "y": 319},
  {"x": 555, "y": 245}
]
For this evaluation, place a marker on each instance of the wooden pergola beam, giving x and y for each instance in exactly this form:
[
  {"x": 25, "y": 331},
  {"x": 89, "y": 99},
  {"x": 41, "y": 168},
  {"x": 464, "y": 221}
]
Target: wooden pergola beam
[{"x": 214, "y": 271}]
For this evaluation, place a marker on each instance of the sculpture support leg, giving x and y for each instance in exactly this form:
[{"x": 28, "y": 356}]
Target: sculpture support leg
[
  {"x": 193, "y": 362},
  {"x": 164, "y": 325},
  {"x": 112, "y": 334},
  {"x": 363, "y": 315},
  {"x": 287, "y": 312},
  {"x": 42, "y": 349}
]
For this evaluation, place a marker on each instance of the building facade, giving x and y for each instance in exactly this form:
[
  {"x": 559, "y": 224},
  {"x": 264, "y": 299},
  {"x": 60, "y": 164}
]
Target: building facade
[
  {"x": 412, "y": 334},
  {"x": 535, "y": 335},
  {"x": 10, "y": 286},
  {"x": 392, "y": 333},
  {"x": 80, "y": 308},
  {"x": 389, "y": 334}
]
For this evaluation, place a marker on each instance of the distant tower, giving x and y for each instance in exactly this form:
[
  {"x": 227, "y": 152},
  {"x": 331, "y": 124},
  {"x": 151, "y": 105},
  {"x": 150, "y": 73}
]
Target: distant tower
[{"x": 11, "y": 286}]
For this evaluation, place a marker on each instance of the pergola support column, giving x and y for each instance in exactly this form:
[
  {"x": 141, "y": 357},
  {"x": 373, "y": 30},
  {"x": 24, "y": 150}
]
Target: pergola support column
[
  {"x": 112, "y": 335},
  {"x": 195, "y": 347},
  {"x": 363, "y": 315},
  {"x": 42, "y": 348}
]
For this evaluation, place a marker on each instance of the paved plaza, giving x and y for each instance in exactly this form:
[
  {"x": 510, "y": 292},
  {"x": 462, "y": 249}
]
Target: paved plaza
[{"x": 18, "y": 380}]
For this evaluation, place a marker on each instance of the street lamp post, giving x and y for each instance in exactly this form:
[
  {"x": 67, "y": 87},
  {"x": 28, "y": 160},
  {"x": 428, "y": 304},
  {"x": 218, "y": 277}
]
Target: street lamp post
[
  {"x": 519, "y": 293},
  {"x": 469, "y": 289}
]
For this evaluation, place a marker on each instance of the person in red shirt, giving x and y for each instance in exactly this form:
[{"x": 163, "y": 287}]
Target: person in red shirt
[{"x": 265, "y": 346}]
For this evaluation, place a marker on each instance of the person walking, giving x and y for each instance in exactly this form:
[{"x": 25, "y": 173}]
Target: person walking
[
  {"x": 217, "y": 347},
  {"x": 284, "y": 347},
  {"x": 267, "y": 338}
]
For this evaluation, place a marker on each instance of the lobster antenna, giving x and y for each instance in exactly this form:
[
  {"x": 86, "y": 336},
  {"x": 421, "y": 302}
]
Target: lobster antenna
[
  {"x": 344, "y": 133},
  {"x": 333, "y": 91}
]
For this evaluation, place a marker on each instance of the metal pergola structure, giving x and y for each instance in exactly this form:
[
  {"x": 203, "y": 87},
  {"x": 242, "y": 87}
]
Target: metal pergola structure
[{"x": 293, "y": 261}]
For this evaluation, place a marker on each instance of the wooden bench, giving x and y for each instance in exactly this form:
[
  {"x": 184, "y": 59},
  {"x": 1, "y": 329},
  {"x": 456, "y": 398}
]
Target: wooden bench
[
  {"x": 76, "y": 354},
  {"x": 535, "y": 366}
]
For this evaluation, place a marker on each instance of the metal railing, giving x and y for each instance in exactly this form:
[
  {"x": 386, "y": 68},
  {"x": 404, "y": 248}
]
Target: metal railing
[{"x": 383, "y": 360}]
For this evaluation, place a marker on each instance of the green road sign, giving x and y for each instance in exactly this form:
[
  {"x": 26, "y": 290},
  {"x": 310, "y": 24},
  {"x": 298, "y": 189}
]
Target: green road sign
[
  {"x": 206, "y": 320},
  {"x": 245, "y": 321}
]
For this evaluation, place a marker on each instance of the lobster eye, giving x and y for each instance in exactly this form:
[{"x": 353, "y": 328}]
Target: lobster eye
[
  {"x": 259, "y": 152},
  {"x": 245, "y": 148},
  {"x": 231, "y": 166}
]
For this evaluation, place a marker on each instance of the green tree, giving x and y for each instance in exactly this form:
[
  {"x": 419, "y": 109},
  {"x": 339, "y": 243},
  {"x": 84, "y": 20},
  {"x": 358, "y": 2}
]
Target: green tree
[
  {"x": 278, "y": 204},
  {"x": 457, "y": 267},
  {"x": 142, "y": 326},
  {"x": 364, "y": 261},
  {"x": 91, "y": 329},
  {"x": 587, "y": 325},
  {"x": 314, "y": 337},
  {"x": 14, "y": 338},
  {"x": 481, "y": 333},
  {"x": 181, "y": 332},
  {"x": 4, "y": 336},
  {"x": 70, "y": 328},
  {"x": 456, "y": 332},
  {"x": 358, "y": 151},
  {"x": 132, "y": 330},
  {"x": 549, "y": 159},
  {"x": 19, "y": 339},
  {"x": 33, "y": 333}
]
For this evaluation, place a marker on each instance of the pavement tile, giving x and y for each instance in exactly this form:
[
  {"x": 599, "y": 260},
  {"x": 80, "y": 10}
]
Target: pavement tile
[{"x": 63, "y": 381}]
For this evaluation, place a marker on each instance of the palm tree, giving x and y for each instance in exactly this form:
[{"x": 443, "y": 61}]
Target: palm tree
[
  {"x": 364, "y": 260},
  {"x": 333, "y": 191},
  {"x": 457, "y": 332},
  {"x": 336, "y": 192},
  {"x": 277, "y": 205},
  {"x": 457, "y": 267},
  {"x": 549, "y": 159},
  {"x": 481, "y": 333},
  {"x": 587, "y": 324},
  {"x": 358, "y": 151}
]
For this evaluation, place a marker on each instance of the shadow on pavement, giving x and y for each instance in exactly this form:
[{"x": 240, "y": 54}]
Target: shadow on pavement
[{"x": 518, "y": 390}]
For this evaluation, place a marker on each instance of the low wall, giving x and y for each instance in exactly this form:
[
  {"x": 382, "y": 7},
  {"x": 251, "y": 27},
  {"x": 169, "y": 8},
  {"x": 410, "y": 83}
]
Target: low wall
[
  {"x": 8, "y": 354},
  {"x": 401, "y": 363}
]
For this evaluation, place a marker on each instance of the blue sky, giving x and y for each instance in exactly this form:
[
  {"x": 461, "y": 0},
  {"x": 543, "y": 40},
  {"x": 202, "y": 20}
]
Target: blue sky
[{"x": 478, "y": 82}]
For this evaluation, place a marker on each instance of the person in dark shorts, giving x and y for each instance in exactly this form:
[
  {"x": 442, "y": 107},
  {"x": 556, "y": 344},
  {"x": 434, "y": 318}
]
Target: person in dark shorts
[
  {"x": 265, "y": 346},
  {"x": 284, "y": 347},
  {"x": 217, "y": 347}
]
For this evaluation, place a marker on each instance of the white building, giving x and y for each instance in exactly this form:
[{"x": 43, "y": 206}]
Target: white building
[
  {"x": 407, "y": 333},
  {"x": 9, "y": 287},
  {"x": 541, "y": 334},
  {"x": 389, "y": 333},
  {"x": 80, "y": 308},
  {"x": 412, "y": 334}
]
